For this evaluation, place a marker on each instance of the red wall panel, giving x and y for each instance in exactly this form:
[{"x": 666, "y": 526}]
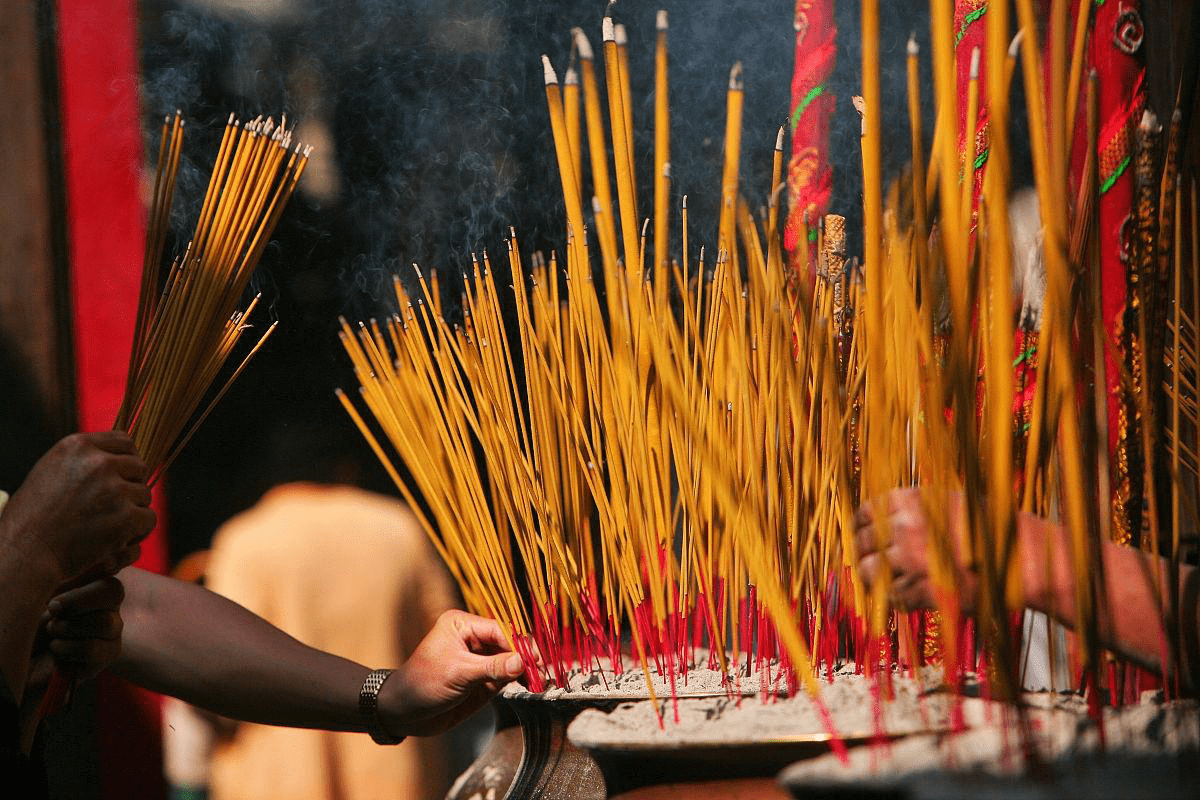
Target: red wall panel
[{"x": 98, "y": 69}]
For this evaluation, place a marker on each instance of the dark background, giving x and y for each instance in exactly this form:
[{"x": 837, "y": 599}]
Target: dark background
[
  {"x": 434, "y": 139},
  {"x": 432, "y": 135}
]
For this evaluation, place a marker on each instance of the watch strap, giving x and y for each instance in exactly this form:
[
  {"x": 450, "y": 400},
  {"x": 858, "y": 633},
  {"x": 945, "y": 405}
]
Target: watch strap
[{"x": 368, "y": 707}]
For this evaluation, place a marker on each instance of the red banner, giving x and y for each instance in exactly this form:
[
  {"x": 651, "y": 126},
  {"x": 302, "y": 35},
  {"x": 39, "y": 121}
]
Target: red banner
[{"x": 98, "y": 69}]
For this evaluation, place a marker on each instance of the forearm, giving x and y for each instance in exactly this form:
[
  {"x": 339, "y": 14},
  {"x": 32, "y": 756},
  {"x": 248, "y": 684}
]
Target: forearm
[
  {"x": 29, "y": 584},
  {"x": 190, "y": 643},
  {"x": 1135, "y": 593},
  {"x": 18, "y": 627}
]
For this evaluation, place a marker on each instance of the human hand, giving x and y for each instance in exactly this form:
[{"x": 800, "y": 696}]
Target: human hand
[
  {"x": 84, "y": 627},
  {"x": 459, "y": 665},
  {"x": 903, "y": 559},
  {"x": 79, "y": 635},
  {"x": 83, "y": 507}
]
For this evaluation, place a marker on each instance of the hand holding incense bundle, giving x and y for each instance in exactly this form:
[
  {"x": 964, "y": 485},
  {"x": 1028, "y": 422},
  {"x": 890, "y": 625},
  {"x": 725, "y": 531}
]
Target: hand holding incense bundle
[{"x": 188, "y": 327}]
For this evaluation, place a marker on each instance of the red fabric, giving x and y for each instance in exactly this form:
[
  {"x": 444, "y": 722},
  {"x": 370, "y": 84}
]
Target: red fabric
[
  {"x": 1120, "y": 100},
  {"x": 1121, "y": 97},
  {"x": 102, "y": 152},
  {"x": 970, "y": 31},
  {"x": 809, "y": 173}
]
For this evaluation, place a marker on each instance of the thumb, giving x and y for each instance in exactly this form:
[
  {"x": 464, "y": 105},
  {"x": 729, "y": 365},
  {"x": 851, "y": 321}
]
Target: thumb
[{"x": 505, "y": 667}]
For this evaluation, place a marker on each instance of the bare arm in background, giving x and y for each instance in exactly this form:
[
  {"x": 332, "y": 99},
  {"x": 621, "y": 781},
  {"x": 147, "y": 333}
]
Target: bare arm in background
[
  {"x": 185, "y": 641},
  {"x": 1134, "y": 623},
  {"x": 1133, "y": 626}
]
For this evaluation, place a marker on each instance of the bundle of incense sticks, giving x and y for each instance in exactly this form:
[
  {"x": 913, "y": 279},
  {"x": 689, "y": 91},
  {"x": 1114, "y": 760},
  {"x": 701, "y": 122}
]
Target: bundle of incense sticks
[
  {"x": 652, "y": 458},
  {"x": 962, "y": 428},
  {"x": 189, "y": 324},
  {"x": 679, "y": 455}
]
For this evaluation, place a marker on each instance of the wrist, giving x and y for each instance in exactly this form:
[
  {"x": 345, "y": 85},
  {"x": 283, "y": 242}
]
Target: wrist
[
  {"x": 29, "y": 555},
  {"x": 372, "y": 700},
  {"x": 1037, "y": 561},
  {"x": 395, "y": 704}
]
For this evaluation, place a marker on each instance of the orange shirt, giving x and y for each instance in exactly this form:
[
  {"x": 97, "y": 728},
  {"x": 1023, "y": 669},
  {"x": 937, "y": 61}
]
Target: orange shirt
[{"x": 351, "y": 573}]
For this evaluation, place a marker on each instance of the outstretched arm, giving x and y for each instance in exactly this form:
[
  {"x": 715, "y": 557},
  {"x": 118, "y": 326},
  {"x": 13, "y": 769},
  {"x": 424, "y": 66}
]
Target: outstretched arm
[
  {"x": 185, "y": 641},
  {"x": 1136, "y": 590},
  {"x": 1136, "y": 586}
]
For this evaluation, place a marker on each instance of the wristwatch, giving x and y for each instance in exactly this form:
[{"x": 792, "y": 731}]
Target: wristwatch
[{"x": 368, "y": 707}]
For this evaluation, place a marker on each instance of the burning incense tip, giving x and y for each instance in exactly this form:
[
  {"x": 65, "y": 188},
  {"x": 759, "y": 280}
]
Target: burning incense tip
[
  {"x": 685, "y": 201},
  {"x": 778, "y": 190},
  {"x": 974, "y": 74},
  {"x": 548, "y": 72},
  {"x": 860, "y": 106},
  {"x": 1149, "y": 123},
  {"x": 582, "y": 45},
  {"x": 660, "y": 19},
  {"x": 606, "y": 30},
  {"x": 572, "y": 77},
  {"x": 619, "y": 35},
  {"x": 779, "y": 140},
  {"x": 1014, "y": 46},
  {"x": 914, "y": 49},
  {"x": 735, "y": 77}
]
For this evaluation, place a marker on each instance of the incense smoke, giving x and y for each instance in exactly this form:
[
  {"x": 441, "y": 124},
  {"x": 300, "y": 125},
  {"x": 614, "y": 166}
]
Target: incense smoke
[
  {"x": 432, "y": 138},
  {"x": 432, "y": 117}
]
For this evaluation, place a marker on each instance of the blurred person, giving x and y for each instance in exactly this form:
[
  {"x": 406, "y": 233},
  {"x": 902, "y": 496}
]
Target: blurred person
[
  {"x": 351, "y": 573},
  {"x": 189, "y": 733}
]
